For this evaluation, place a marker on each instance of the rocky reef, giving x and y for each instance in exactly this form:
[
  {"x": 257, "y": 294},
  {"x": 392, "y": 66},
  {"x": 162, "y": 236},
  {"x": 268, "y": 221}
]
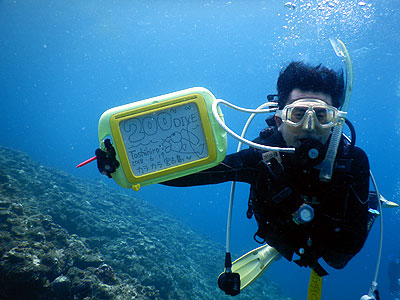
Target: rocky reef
[{"x": 63, "y": 238}]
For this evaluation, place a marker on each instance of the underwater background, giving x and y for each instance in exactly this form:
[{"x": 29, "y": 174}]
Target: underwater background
[{"x": 63, "y": 63}]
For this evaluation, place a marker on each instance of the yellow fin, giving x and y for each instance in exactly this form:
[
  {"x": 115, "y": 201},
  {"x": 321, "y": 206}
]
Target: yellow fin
[{"x": 253, "y": 264}]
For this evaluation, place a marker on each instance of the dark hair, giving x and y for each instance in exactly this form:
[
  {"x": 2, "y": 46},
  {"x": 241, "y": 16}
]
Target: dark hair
[{"x": 298, "y": 75}]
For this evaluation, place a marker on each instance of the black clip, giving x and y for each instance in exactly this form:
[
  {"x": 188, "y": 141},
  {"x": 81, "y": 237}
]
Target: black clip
[{"x": 229, "y": 282}]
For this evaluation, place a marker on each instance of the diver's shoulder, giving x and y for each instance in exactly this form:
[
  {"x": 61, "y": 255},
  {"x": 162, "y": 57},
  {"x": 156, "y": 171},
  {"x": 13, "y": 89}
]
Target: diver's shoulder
[
  {"x": 359, "y": 157},
  {"x": 358, "y": 152}
]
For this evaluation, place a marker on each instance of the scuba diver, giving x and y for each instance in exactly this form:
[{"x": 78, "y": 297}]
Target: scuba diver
[
  {"x": 296, "y": 212},
  {"x": 299, "y": 207},
  {"x": 309, "y": 183}
]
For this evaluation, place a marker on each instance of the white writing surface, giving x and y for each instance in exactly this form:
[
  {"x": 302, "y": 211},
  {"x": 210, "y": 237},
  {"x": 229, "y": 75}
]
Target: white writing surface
[{"x": 164, "y": 139}]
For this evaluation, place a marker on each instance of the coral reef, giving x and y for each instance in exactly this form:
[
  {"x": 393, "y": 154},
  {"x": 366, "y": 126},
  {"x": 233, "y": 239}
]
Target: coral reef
[{"x": 66, "y": 238}]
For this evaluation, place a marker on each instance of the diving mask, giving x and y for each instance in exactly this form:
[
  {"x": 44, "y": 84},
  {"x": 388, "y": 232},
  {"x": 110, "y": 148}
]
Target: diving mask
[{"x": 310, "y": 112}]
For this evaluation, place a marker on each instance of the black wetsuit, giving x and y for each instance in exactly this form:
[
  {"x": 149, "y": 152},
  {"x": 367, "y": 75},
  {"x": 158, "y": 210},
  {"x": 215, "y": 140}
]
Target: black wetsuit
[{"x": 279, "y": 187}]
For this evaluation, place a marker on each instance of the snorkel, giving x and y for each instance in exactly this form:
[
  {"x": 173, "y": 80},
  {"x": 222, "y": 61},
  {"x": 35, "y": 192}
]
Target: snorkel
[{"x": 327, "y": 163}]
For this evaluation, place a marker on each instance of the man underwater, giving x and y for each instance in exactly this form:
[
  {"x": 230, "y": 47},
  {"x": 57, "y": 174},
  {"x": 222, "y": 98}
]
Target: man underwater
[
  {"x": 295, "y": 211},
  {"x": 282, "y": 184}
]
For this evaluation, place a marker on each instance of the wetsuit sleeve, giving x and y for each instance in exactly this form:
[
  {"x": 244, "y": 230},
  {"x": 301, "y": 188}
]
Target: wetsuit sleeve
[
  {"x": 240, "y": 166},
  {"x": 351, "y": 235}
]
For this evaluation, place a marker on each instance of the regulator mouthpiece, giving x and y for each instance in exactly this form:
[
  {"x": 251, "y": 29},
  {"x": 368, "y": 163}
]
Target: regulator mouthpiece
[{"x": 309, "y": 154}]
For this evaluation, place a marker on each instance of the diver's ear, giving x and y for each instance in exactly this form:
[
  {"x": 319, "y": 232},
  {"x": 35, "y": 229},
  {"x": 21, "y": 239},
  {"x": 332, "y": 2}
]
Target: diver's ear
[{"x": 278, "y": 121}]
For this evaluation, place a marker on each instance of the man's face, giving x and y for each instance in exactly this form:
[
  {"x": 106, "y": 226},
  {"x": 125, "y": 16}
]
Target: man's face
[{"x": 293, "y": 136}]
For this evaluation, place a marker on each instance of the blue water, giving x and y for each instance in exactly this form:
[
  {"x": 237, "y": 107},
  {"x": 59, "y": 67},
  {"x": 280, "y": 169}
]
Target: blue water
[{"x": 63, "y": 63}]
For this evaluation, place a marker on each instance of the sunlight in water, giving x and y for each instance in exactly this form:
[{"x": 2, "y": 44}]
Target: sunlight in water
[{"x": 306, "y": 20}]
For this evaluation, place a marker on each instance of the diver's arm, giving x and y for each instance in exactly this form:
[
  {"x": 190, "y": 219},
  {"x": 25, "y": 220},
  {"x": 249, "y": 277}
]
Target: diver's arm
[
  {"x": 357, "y": 218},
  {"x": 352, "y": 235},
  {"x": 240, "y": 166}
]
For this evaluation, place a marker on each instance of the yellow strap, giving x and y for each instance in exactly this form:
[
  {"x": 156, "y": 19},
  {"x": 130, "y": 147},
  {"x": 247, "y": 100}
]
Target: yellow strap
[{"x": 314, "y": 286}]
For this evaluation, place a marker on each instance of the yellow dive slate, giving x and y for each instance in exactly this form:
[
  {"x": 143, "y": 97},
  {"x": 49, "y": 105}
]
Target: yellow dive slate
[{"x": 163, "y": 138}]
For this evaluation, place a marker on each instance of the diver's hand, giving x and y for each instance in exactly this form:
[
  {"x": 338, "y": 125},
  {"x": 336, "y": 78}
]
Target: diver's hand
[{"x": 106, "y": 161}]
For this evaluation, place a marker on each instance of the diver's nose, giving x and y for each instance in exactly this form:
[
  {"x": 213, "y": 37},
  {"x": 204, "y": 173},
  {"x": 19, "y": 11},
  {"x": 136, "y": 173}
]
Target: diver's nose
[{"x": 309, "y": 121}]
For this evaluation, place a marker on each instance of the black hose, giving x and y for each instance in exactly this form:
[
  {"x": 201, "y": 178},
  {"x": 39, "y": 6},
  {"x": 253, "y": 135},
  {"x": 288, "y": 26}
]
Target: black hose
[{"x": 353, "y": 133}]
